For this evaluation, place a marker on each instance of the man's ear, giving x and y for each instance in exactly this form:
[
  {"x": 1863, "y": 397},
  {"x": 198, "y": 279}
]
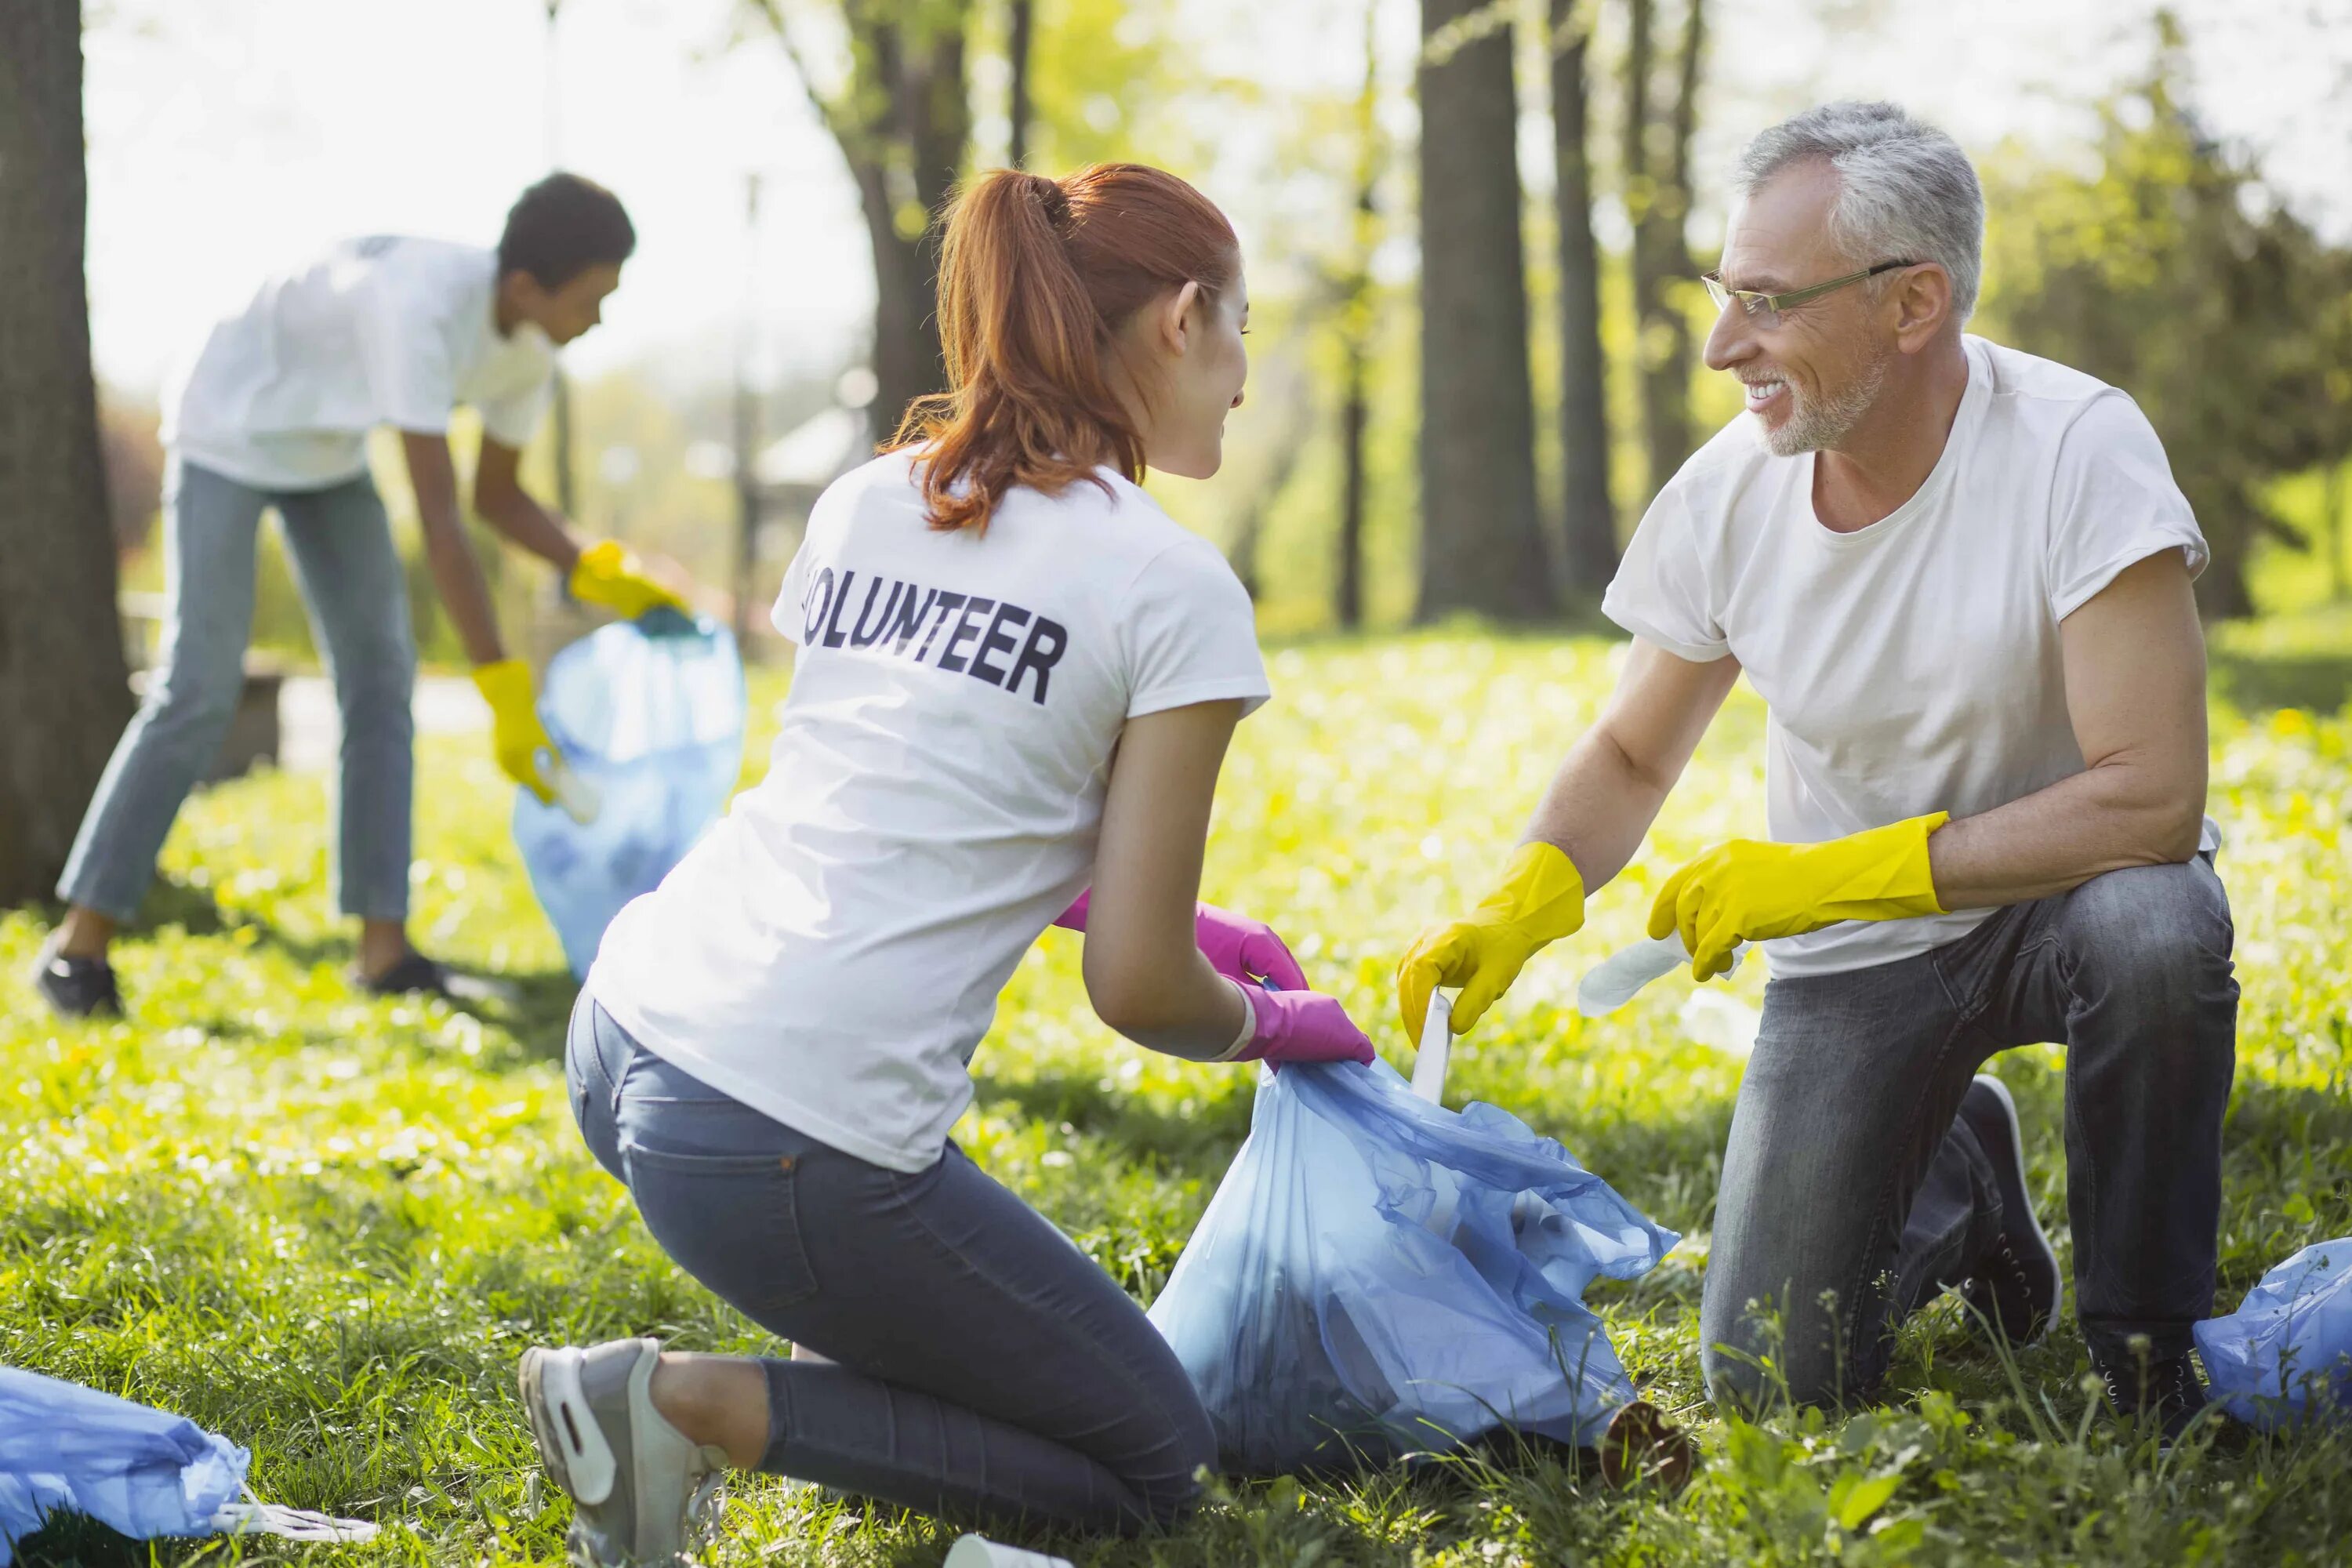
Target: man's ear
[
  {"x": 1175, "y": 319},
  {"x": 1923, "y": 303}
]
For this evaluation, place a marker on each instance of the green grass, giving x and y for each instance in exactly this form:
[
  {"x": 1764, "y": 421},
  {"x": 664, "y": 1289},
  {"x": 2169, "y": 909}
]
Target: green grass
[{"x": 325, "y": 1226}]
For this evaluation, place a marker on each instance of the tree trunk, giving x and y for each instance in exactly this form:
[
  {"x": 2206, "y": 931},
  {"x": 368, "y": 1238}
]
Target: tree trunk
[
  {"x": 1356, "y": 331},
  {"x": 1020, "y": 43},
  {"x": 64, "y": 693},
  {"x": 1482, "y": 547},
  {"x": 915, "y": 153},
  {"x": 2339, "y": 570},
  {"x": 903, "y": 123},
  {"x": 1588, "y": 558},
  {"x": 1670, "y": 439},
  {"x": 1354, "y": 415},
  {"x": 1657, "y": 199}
]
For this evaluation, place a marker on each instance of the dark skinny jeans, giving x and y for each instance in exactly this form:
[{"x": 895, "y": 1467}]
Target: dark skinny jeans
[{"x": 987, "y": 1369}]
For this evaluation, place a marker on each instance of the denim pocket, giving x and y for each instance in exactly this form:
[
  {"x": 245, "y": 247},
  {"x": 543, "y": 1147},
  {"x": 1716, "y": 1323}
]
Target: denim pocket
[{"x": 730, "y": 1220}]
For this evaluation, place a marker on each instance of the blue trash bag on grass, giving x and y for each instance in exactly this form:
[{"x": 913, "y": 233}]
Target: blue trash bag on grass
[
  {"x": 649, "y": 716},
  {"x": 2286, "y": 1352},
  {"x": 142, "y": 1472},
  {"x": 1378, "y": 1275}
]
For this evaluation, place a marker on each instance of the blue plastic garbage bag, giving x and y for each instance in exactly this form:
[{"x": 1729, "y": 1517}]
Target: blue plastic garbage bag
[
  {"x": 2286, "y": 1352},
  {"x": 1378, "y": 1275},
  {"x": 142, "y": 1472},
  {"x": 649, "y": 716}
]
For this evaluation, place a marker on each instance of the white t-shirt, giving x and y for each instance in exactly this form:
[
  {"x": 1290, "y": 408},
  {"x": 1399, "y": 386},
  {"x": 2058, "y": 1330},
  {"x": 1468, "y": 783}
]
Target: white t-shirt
[
  {"x": 1913, "y": 666},
  {"x": 832, "y": 952},
  {"x": 384, "y": 330}
]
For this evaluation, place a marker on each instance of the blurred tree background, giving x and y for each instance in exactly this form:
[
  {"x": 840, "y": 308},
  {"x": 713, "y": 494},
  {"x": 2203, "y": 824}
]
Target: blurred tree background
[{"x": 1473, "y": 229}]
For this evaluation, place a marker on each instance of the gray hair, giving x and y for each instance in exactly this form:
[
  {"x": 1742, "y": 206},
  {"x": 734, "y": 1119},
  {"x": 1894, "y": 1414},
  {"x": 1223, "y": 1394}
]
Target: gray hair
[{"x": 1904, "y": 189}]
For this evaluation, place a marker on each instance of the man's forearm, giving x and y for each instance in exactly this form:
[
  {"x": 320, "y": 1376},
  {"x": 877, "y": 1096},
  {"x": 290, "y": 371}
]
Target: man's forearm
[
  {"x": 464, "y": 593},
  {"x": 521, "y": 520},
  {"x": 1597, "y": 808},
  {"x": 2102, "y": 819}
]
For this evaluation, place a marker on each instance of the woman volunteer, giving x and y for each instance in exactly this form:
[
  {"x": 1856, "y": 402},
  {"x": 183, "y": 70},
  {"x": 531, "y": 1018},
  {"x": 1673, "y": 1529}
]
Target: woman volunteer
[{"x": 1016, "y": 676}]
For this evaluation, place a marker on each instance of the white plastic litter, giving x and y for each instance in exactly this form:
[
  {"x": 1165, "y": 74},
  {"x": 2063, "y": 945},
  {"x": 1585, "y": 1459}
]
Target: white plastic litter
[
  {"x": 250, "y": 1518},
  {"x": 575, "y": 792},
  {"x": 979, "y": 1552},
  {"x": 1436, "y": 1044},
  {"x": 1618, "y": 978}
]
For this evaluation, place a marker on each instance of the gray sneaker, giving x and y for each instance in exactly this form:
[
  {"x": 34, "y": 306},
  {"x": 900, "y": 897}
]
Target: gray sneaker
[
  {"x": 76, "y": 987},
  {"x": 642, "y": 1493}
]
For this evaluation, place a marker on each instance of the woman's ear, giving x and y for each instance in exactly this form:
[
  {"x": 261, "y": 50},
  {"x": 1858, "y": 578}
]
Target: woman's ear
[{"x": 1175, "y": 318}]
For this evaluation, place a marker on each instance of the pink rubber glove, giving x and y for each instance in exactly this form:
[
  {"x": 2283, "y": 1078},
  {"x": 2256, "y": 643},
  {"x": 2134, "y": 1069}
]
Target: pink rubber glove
[
  {"x": 1237, "y": 947},
  {"x": 1245, "y": 950},
  {"x": 1302, "y": 1026}
]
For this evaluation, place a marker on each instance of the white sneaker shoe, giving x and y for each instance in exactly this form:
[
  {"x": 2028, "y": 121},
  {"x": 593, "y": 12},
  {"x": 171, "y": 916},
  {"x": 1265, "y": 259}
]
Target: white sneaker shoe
[{"x": 642, "y": 1494}]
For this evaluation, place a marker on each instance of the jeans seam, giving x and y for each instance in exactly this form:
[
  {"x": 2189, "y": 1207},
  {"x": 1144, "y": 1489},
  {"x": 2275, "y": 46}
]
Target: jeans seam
[
  {"x": 1137, "y": 1389},
  {"x": 1884, "y": 1208},
  {"x": 2077, "y": 1135}
]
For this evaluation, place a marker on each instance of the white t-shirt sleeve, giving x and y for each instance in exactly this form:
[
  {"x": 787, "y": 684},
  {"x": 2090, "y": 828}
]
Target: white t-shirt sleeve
[
  {"x": 2113, "y": 503},
  {"x": 791, "y": 599},
  {"x": 1664, "y": 590},
  {"x": 1190, "y": 634},
  {"x": 404, "y": 348},
  {"x": 513, "y": 420}
]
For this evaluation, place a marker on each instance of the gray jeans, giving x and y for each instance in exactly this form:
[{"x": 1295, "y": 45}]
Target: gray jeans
[
  {"x": 988, "y": 1370},
  {"x": 1851, "y": 1197},
  {"x": 341, "y": 543}
]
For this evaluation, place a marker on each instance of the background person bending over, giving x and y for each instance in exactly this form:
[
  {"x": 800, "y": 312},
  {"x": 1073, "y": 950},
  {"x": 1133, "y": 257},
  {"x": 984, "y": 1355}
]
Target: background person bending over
[
  {"x": 1959, "y": 578},
  {"x": 276, "y": 412},
  {"x": 1016, "y": 675}
]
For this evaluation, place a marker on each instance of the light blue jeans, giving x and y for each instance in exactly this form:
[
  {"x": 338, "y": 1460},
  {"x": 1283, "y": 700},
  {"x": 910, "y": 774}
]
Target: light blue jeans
[{"x": 350, "y": 575}]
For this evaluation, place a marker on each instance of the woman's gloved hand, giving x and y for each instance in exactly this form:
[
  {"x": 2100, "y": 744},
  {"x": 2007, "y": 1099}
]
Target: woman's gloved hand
[
  {"x": 1238, "y": 947},
  {"x": 517, "y": 737},
  {"x": 1540, "y": 900},
  {"x": 1746, "y": 891},
  {"x": 1298, "y": 1026},
  {"x": 1245, "y": 950},
  {"x": 610, "y": 576}
]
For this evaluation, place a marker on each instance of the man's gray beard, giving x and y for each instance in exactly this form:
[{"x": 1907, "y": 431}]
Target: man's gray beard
[{"x": 1819, "y": 426}]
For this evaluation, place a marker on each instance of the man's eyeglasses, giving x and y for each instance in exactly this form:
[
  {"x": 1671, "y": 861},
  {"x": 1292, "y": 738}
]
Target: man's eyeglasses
[{"x": 1764, "y": 310}]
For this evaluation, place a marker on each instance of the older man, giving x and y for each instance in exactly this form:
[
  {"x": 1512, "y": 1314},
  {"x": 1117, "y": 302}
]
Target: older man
[{"x": 1959, "y": 578}]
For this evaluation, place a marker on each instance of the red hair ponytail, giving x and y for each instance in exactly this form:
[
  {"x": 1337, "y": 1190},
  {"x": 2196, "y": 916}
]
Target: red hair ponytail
[{"x": 1035, "y": 277}]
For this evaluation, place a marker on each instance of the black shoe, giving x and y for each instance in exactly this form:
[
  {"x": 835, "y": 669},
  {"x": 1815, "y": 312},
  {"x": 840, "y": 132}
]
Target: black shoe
[
  {"x": 414, "y": 975},
  {"x": 2017, "y": 1285},
  {"x": 2165, "y": 1390},
  {"x": 76, "y": 987}
]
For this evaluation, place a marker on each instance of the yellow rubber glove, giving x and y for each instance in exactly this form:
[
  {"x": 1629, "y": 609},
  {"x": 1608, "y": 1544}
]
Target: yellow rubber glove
[
  {"x": 610, "y": 576},
  {"x": 1748, "y": 891},
  {"x": 1540, "y": 900},
  {"x": 516, "y": 734}
]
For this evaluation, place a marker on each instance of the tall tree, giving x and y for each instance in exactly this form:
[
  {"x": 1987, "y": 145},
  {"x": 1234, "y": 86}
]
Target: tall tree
[
  {"x": 1357, "y": 309},
  {"x": 2171, "y": 273},
  {"x": 1589, "y": 554},
  {"x": 1020, "y": 43},
  {"x": 64, "y": 693},
  {"x": 1657, "y": 150},
  {"x": 1482, "y": 546},
  {"x": 902, "y": 117}
]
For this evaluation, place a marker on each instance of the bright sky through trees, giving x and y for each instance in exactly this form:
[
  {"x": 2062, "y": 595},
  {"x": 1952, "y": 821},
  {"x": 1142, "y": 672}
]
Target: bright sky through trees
[{"x": 224, "y": 146}]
